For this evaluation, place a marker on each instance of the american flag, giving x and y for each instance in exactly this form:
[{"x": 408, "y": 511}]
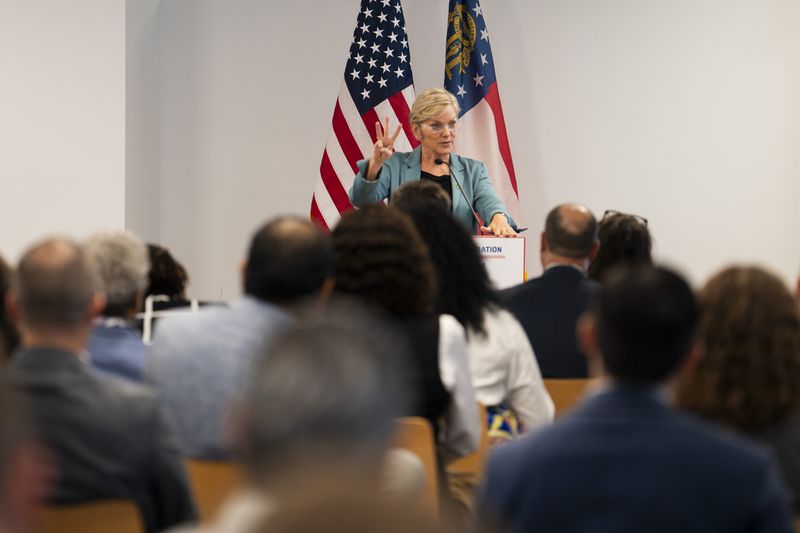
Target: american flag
[
  {"x": 469, "y": 74},
  {"x": 377, "y": 83}
]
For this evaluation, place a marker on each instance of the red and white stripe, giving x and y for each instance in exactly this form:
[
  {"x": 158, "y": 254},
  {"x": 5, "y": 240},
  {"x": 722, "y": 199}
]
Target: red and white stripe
[
  {"x": 482, "y": 136},
  {"x": 352, "y": 138}
]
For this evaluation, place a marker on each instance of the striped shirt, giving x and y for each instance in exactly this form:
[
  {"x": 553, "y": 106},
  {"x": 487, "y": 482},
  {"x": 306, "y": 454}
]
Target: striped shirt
[{"x": 199, "y": 363}]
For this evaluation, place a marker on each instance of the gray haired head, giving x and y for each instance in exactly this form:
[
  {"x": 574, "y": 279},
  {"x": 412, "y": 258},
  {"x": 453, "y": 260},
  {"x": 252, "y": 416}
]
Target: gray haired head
[
  {"x": 571, "y": 230},
  {"x": 120, "y": 262},
  {"x": 328, "y": 390}
]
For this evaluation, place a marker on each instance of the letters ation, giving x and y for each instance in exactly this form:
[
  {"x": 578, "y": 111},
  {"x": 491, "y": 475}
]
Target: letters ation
[{"x": 491, "y": 249}]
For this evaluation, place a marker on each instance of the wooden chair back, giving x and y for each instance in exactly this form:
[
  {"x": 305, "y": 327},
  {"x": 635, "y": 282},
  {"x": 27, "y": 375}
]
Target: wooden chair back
[
  {"x": 566, "y": 393},
  {"x": 212, "y": 482},
  {"x": 415, "y": 434},
  {"x": 475, "y": 463},
  {"x": 119, "y": 516}
]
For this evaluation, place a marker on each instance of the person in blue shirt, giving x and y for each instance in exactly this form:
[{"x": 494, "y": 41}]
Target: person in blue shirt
[{"x": 120, "y": 263}]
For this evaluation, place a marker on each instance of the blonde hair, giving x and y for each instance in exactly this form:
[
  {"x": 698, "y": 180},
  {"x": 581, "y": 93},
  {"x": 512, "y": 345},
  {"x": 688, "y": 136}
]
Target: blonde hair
[{"x": 431, "y": 103}]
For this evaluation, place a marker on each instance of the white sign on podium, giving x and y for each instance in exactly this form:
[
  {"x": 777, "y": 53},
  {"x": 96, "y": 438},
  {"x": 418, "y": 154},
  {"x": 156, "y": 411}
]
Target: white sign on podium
[{"x": 504, "y": 258}]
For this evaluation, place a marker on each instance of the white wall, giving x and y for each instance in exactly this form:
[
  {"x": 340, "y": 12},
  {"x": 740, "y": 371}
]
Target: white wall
[
  {"x": 143, "y": 119},
  {"x": 683, "y": 112},
  {"x": 62, "y": 97},
  {"x": 248, "y": 89}
]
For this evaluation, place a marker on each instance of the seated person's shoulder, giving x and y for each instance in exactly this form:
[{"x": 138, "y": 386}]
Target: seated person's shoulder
[
  {"x": 502, "y": 320},
  {"x": 122, "y": 408},
  {"x": 725, "y": 444},
  {"x": 450, "y": 326},
  {"x": 509, "y": 293},
  {"x": 518, "y": 291},
  {"x": 116, "y": 391},
  {"x": 589, "y": 285},
  {"x": 184, "y": 323}
]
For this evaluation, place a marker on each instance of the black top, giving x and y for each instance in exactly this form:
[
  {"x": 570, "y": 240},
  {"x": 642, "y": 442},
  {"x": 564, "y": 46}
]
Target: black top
[
  {"x": 784, "y": 440},
  {"x": 443, "y": 181},
  {"x": 430, "y": 398}
]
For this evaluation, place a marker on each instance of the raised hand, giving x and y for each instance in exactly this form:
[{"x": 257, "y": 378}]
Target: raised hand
[{"x": 383, "y": 149}]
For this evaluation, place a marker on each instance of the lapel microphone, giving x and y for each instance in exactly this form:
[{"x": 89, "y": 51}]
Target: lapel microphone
[{"x": 458, "y": 184}]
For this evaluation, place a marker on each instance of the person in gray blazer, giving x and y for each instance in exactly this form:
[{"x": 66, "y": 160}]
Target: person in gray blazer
[
  {"x": 107, "y": 436},
  {"x": 434, "y": 122},
  {"x": 624, "y": 461}
]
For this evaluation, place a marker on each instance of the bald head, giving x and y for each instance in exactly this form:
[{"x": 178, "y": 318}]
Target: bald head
[
  {"x": 571, "y": 231},
  {"x": 54, "y": 286},
  {"x": 289, "y": 258}
]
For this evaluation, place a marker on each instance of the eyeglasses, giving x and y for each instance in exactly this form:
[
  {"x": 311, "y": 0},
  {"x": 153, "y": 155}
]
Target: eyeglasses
[
  {"x": 438, "y": 127},
  {"x": 611, "y": 213}
]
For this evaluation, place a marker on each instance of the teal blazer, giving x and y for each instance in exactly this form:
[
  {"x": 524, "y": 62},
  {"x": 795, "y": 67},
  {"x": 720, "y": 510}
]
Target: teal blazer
[{"x": 403, "y": 167}]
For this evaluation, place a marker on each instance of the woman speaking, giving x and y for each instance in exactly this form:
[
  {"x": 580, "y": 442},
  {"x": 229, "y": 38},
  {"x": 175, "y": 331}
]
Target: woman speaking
[{"x": 434, "y": 122}]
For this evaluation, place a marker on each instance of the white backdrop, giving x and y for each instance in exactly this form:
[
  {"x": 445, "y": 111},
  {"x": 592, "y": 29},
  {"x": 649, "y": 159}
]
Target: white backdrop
[
  {"x": 62, "y": 117},
  {"x": 684, "y": 112}
]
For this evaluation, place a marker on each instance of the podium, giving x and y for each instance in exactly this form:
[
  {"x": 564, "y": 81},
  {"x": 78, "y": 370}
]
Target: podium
[{"x": 504, "y": 258}]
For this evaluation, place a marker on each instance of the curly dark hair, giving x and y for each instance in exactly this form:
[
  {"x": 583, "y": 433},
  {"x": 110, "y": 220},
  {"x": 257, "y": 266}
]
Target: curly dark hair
[
  {"x": 624, "y": 239},
  {"x": 465, "y": 290},
  {"x": 381, "y": 258},
  {"x": 9, "y": 338},
  {"x": 166, "y": 276},
  {"x": 750, "y": 329}
]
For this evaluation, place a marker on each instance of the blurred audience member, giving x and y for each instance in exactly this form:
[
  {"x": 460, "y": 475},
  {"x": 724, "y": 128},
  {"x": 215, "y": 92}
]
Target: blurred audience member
[
  {"x": 320, "y": 409},
  {"x": 747, "y": 375},
  {"x": 119, "y": 261},
  {"x": 200, "y": 362},
  {"x": 624, "y": 239},
  {"x": 165, "y": 293},
  {"x": 166, "y": 277},
  {"x": 504, "y": 372},
  {"x": 381, "y": 259},
  {"x": 24, "y": 469},
  {"x": 9, "y": 338},
  {"x": 625, "y": 461},
  {"x": 342, "y": 507},
  {"x": 548, "y": 307},
  {"x": 107, "y": 435}
]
